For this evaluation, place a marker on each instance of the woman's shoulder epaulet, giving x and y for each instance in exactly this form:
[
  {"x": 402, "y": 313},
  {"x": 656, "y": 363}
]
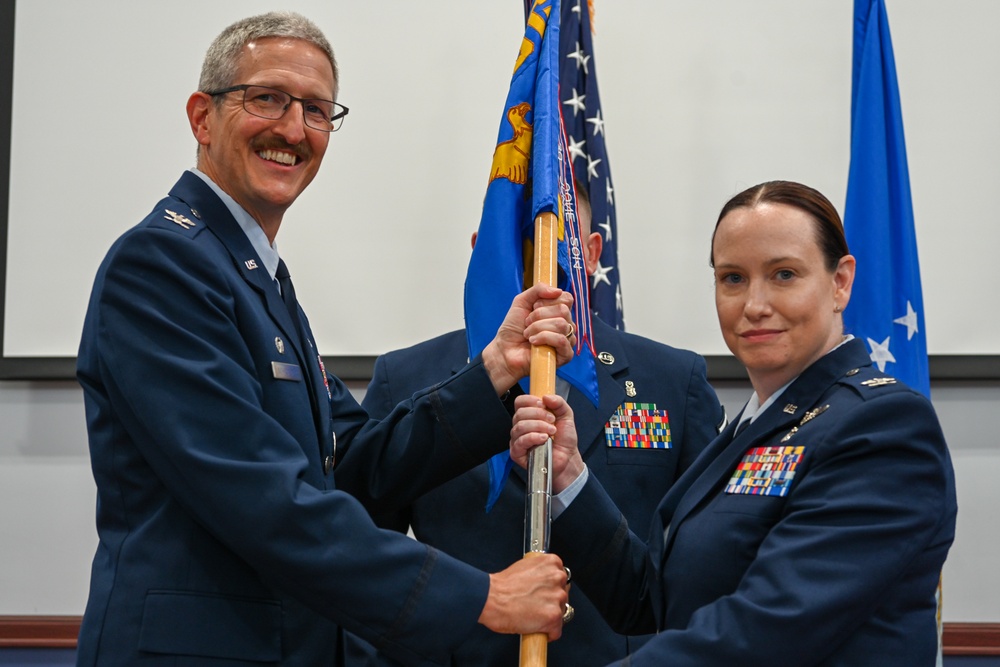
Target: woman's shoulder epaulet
[{"x": 869, "y": 382}]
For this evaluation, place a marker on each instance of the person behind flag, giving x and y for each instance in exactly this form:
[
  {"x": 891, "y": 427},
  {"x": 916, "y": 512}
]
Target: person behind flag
[
  {"x": 656, "y": 414},
  {"x": 233, "y": 473},
  {"x": 813, "y": 530}
]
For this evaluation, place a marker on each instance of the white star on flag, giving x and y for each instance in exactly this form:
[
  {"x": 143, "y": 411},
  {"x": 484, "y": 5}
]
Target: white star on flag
[
  {"x": 606, "y": 226},
  {"x": 575, "y": 148},
  {"x": 577, "y": 102},
  {"x": 880, "y": 353},
  {"x": 592, "y": 167},
  {"x": 598, "y": 123},
  {"x": 580, "y": 58},
  {"x": 909, "y": 321},
  {"x": 601, "y": 274}
]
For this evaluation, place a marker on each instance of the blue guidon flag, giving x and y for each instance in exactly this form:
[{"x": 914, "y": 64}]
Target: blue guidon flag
[{"x": 529, "y": 175}]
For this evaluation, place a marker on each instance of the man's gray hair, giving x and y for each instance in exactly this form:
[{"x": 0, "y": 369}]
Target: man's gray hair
[{"x": 222, "y": 61}]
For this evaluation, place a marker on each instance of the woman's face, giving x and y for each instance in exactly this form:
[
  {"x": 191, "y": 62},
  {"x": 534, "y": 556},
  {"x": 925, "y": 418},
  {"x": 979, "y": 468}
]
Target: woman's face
[{"x": 778, "y": 305}]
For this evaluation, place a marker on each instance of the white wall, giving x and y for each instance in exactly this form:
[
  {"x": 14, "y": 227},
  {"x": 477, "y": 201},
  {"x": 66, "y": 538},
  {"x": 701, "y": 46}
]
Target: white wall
[
  {"x": 47, "y": 499},
  {"x": 701, "y": 99}
]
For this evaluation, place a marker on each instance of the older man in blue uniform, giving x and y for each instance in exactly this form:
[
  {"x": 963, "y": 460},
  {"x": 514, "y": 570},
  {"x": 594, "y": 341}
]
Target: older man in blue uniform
[
  {"x": 638, "y": 378},
  {"x": 229, "y": 464}
]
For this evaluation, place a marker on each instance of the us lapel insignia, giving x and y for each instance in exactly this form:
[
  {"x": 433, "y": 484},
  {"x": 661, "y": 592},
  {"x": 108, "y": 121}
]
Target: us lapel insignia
[
  {"x": 630, "y": 388},
  {"x": 279, "y": 344},
  {"x": 879, "y": 382},
  {"x": 638, "y": 426},
  {"x": 251, "y": 264},
  {"x": 178, "y": 218},
  {"x": 791, "y": 408},
  {"x": 606, "y": 358}
]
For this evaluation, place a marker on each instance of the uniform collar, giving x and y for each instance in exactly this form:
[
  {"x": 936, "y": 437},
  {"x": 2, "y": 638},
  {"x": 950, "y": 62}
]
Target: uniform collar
[{"x": 268, "y": 252}]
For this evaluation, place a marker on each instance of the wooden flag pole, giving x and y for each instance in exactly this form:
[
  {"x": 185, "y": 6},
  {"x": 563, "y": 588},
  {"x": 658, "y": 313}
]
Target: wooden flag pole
[{"x": 534, "y": 647}]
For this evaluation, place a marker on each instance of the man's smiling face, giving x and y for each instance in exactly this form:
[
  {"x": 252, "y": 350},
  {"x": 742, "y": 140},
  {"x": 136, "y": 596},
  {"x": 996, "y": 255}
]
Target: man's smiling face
[{"x": 265, "y": 164}]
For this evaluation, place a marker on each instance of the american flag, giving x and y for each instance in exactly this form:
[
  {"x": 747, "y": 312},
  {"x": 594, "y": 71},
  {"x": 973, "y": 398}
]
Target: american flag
[{"x": 585, "y": 131}]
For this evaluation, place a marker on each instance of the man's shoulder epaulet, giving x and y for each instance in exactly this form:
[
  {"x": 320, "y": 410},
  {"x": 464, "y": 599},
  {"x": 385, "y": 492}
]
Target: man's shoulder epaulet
[{"x": 177, "y": 216}]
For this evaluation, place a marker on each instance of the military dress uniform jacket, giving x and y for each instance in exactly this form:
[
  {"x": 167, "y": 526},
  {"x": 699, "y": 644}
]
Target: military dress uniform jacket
[
  {"x": 815, "y": 537},
  {"x": 224, "y": 538},
  {"x": 453, "y": 517}
]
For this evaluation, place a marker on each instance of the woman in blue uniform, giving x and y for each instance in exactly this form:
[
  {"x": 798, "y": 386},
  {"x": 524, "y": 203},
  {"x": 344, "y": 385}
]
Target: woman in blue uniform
[{"x": 813, "y": 530}]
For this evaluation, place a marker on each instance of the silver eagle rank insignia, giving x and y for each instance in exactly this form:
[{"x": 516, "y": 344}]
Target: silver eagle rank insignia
[{"x": 179, "y": 219}]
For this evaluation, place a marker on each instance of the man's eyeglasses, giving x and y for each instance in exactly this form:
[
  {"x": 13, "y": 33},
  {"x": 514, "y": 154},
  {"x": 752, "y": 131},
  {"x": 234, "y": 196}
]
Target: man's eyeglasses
[{"x": 271, "y": 103}]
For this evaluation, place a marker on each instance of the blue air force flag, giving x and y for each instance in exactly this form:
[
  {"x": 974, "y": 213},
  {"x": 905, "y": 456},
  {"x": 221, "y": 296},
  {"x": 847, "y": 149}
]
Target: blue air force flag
[{"x": 887, "y": 307}]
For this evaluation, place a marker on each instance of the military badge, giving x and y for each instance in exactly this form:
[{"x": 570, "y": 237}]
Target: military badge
[
  {"x": 638, "y": 426},
  {"x": 808, "y": 417},
  {"x": 179, "y": 219},
  {"x": 766, "y": 471},
  {"x": 879, "y": 382}
]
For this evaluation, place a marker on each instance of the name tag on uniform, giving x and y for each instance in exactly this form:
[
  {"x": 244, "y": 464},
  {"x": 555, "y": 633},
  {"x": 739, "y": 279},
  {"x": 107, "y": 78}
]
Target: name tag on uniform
[
  {"x": 282, "y": 371},
  {"x": 766, "y": 471},
  {"x": 638, "y": 426}
]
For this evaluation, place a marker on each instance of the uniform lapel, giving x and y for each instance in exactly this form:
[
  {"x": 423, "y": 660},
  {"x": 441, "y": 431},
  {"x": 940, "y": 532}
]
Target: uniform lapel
[
  {"x": 669, "y": 512},
  {"x": 591, "y": 419},
  {"x": 719, "y": 460},
  {"x": 211, "y": 210},
  {"x": 216, "y": 216},
  {"x": 720, "y": 467}
]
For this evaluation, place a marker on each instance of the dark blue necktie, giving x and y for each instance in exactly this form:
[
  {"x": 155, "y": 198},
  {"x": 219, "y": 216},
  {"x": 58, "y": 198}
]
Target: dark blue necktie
[
  {"x": 291, "y": 303},
  {"x": 288, "y": 295}
]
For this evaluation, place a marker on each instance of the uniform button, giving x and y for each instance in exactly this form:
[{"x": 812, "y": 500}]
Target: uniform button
[{"x": 327, "y": 465}]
